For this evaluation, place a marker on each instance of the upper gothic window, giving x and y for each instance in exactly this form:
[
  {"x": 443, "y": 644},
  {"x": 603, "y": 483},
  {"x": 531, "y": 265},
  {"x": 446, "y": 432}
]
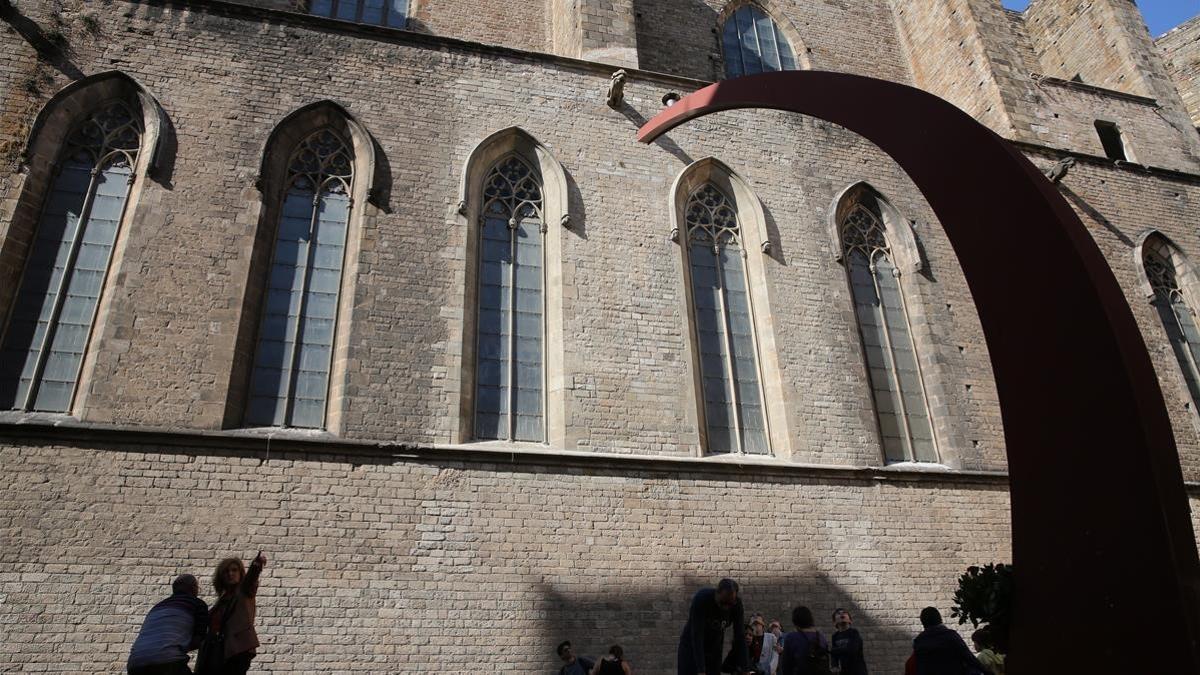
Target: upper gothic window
[
  {"x": 510, "y": 380},
  {"x": 52, "y": 318},
  {"x": 391, "y": 13},
  {"x": 1177, "y": 317},
  {"x": 734, "y": 417},
  {"x": 753, "y": 43},
  {"x": 289, "y": 384},
  {"x": 895, "y": 375}
]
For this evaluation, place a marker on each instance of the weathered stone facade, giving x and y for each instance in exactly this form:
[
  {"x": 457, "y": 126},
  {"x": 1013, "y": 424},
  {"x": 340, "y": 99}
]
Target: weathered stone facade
[{"x": 397, "y": 543}]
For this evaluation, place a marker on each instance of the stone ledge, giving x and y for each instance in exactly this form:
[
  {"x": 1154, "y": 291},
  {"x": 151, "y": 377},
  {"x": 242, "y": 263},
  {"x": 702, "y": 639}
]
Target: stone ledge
[
  {"x": 41, "y": 429},
  {"x": 1132, "y": 167},
  {"x": 1092, "y": 89}
]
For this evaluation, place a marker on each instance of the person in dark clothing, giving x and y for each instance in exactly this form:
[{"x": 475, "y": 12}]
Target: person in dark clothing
[
  {"x": 805, "y": 647},
  {"x": 572, "y": 665},
  {"x": 846, "y": 645},
  {"x": 729, "y": 665},
  {"x": 713, "y": 610},
  {"x": 172, "y": 628},
  {"x": 613, "y": 664},
  {"x": 940, "y": 650}
]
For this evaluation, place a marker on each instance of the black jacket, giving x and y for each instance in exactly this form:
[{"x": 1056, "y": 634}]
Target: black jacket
[
  {"x": 703, "y": 636},
  {"x": 941, "y": 651}
]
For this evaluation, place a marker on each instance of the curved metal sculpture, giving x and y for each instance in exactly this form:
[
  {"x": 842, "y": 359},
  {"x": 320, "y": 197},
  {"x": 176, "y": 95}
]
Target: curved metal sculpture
[{"x": 1102, "y": 538}]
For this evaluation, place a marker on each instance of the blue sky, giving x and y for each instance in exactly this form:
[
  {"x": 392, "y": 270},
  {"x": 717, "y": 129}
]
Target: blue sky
[{"x": 1161, "y": 15}]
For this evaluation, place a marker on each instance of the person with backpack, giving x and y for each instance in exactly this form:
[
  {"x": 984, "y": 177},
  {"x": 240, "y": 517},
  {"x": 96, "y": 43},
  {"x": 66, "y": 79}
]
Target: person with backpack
[
  {"x": 940, "y": 650},
  {"x": 613, "y": 663},
  {"x": 805, "y": 651}
]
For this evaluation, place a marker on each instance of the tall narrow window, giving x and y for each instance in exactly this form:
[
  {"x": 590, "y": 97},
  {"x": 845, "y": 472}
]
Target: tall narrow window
[
  {"x": 51, "y": 321},
  {"x": 752, "y": 43},
  {"x": 900, "y": 405},
  {"x": 1177, "y": 318},
  {"x": 733, "y": 403},
  {"x": 510, "y": 385},
  {"x": 391, "y": 13},
  {"x": 289, "y": 384}
]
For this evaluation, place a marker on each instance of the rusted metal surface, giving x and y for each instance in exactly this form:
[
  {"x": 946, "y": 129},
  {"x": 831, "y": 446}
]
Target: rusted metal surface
[{"x": 1106, "y": 562}]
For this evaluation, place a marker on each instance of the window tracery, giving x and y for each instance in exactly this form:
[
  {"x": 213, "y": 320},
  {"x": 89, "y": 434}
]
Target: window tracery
[
  {"x": 289, "y": 383},
  {"x": 901, "y": 408},
  {"x": 51, "y": 323},
  {"x": 1178, "y": 318},
  {"x": 510, "y": 380},
  {"x": 734, "y": 414}
]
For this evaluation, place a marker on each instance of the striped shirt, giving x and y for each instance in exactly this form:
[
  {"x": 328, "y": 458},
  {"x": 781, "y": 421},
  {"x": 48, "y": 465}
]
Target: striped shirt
[{"x": 174, "y": 627}]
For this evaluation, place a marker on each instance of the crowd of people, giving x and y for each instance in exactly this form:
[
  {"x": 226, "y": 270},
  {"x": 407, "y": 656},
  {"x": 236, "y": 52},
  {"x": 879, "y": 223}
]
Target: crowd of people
[
  {"x": 765, "y": 649},
  {"x": 227, "y": 641},
  {"x": 224, "y": 635}
]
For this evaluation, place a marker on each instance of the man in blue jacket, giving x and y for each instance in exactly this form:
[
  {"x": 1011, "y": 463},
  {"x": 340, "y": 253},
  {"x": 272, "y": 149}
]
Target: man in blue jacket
[
  {"x": 173, "y": 628},
  {"x": 713, "y": 611},
  {"x": 940, "y": 650}
]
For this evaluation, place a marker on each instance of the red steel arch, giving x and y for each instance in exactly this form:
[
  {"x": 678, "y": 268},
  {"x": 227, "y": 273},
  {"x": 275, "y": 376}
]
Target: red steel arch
[{"x": 1108, "y": 576}]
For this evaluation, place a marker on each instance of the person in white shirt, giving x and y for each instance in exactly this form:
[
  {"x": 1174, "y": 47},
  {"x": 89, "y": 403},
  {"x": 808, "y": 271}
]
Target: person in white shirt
[{"x": 772, "y": 646}]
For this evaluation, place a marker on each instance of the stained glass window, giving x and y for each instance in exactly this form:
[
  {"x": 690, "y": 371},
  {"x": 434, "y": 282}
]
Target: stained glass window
[
  {"x": 734, "y": 416},
  {"x": 900, "y": 405},
  {"x": 289, "y": 384},
  {"x": 753, "y": 43},
  {"x": 1177, "y": 318},
  {"x": 391, "y": 13},
  {"x": 51, "y": 321},
  {"x": 510, "y": 384}
]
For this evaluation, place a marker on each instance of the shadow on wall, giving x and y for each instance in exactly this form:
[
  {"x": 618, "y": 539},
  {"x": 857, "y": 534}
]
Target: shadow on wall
[
  {"x": 51, "y": 45},
  {"x": 647, "y": 622},
  {"x": 662, "y": 26}
]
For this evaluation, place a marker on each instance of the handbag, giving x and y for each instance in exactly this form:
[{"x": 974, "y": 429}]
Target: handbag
[{"x": 211, "y": 655}]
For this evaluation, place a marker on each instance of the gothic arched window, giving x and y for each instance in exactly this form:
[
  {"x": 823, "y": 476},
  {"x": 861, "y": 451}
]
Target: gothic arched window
[
  {"x": 753, "y": 43},
  {"x": 51, "y": 321},
  {"x": 391, "y": 13},
  {"x": 895, "y": 375},
  {"x": 1177, "y": 317},
  {"x": 734, "y": 416},
  {"x": 510, "y": 380},
  {"x": 289, "y": 383}
]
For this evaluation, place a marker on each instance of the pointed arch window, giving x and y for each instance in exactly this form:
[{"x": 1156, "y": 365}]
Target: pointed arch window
[
  {"x": 752, "y": 43},
  {"x": 510, "y": 381},
  {"x": 895, "y": 375},
  {"x": 734, "y": 417},
  {"x": 51, "y": 322},
  {"x": 391, "y": 13},
  {"x": 1177, "y": 317},
  {"x": 289, "y": 383}
]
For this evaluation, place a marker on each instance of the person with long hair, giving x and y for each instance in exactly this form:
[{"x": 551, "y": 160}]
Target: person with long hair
[{"x": 233, "y": 615}]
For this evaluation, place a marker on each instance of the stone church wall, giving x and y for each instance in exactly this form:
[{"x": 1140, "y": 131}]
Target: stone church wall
[
  {"x": 396, "y": 547},
  {"x": 392, "y": 562},
  {"x": 1180, "y": 49}
]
